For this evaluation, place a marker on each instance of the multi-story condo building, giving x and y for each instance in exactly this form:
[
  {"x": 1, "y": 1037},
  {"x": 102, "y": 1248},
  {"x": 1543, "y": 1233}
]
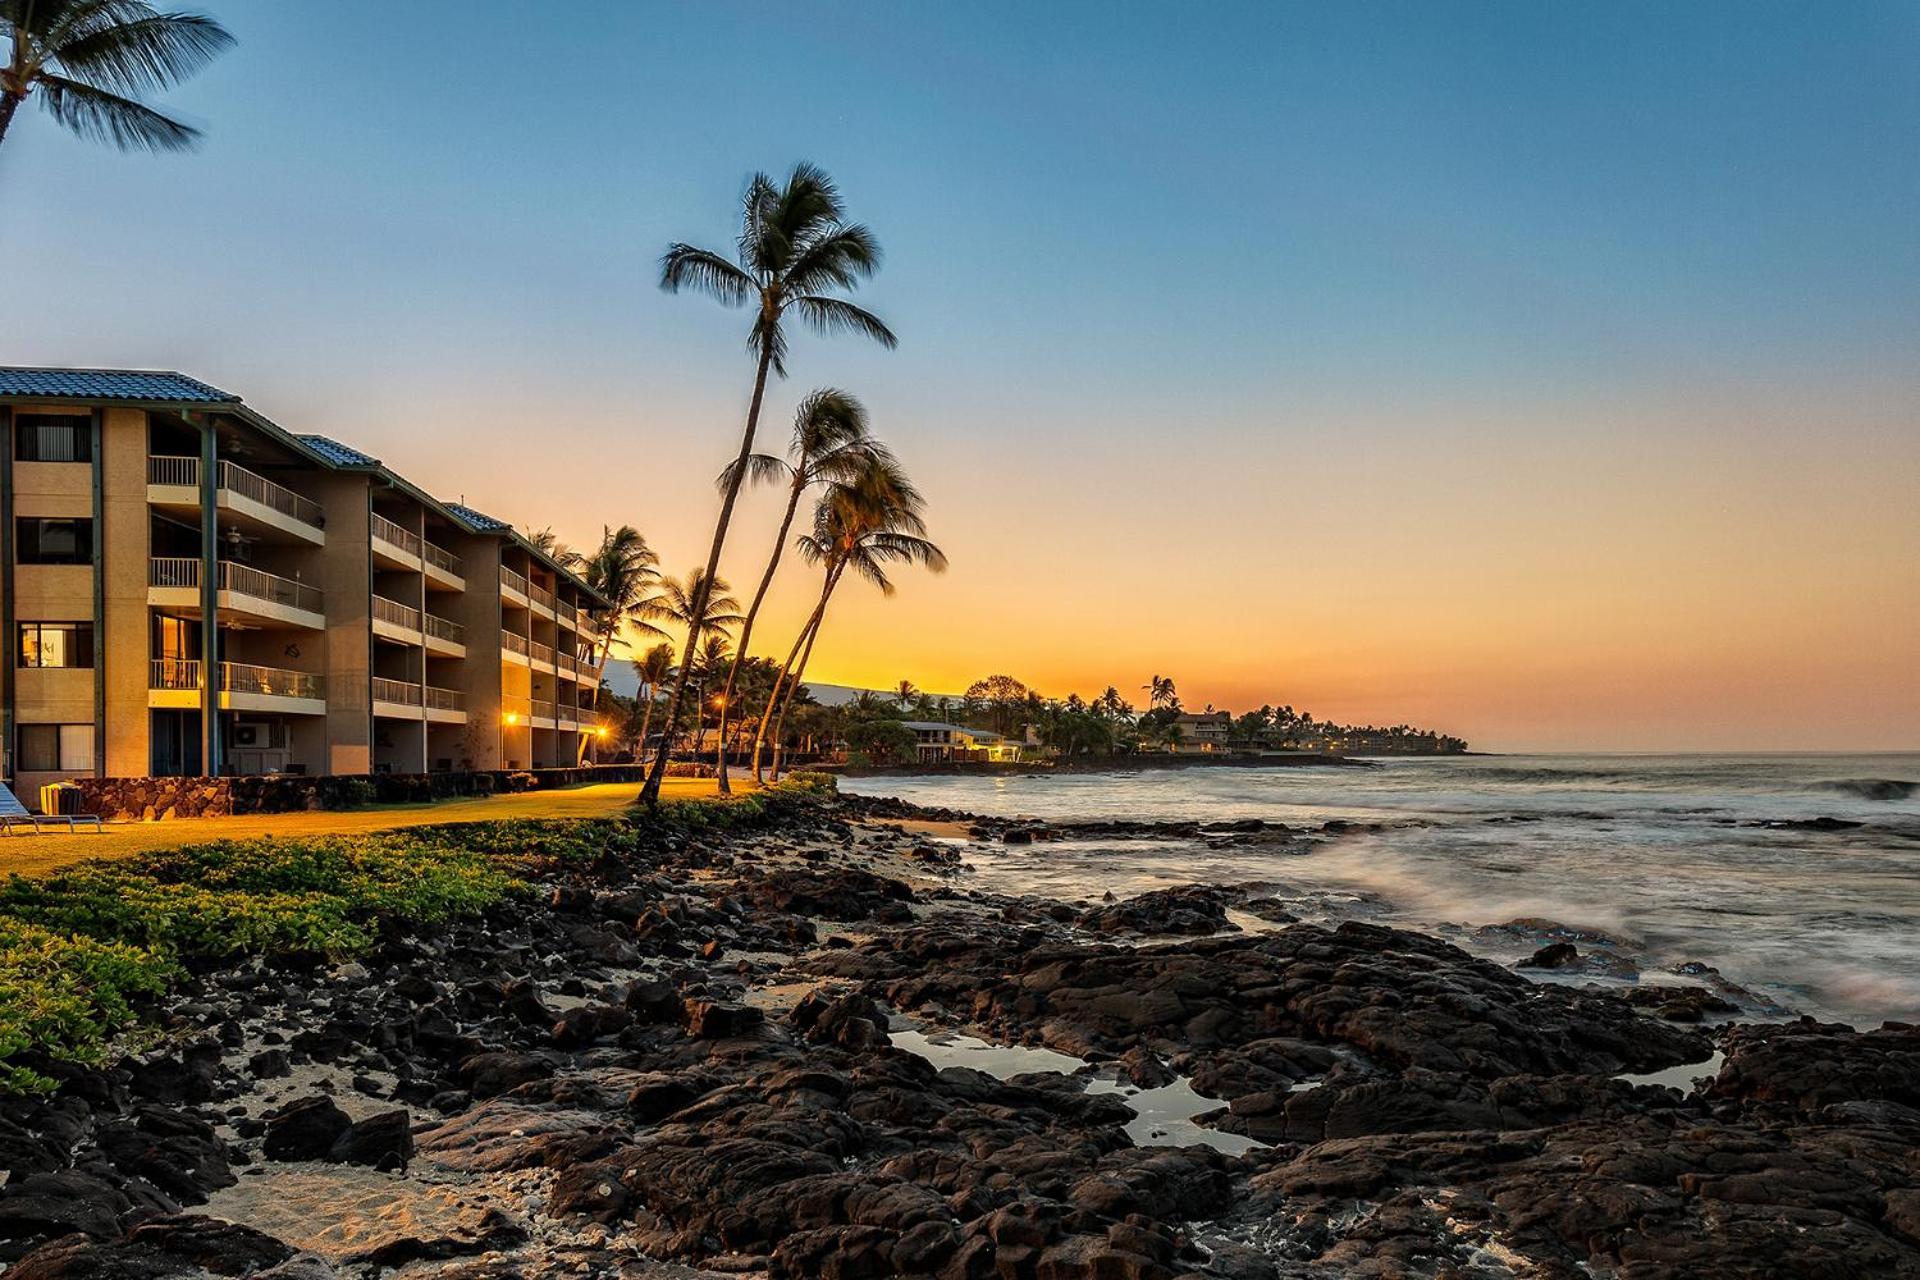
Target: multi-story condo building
[{"x": 190, "y": 589}]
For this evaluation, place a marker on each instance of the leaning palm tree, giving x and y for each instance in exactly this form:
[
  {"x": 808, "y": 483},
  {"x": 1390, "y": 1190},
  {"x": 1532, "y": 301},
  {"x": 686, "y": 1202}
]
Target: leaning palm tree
[
  {"x": 91, "y": 60},
  {"x": 626, "y": 572},
  {"x": 796, "y": 251},
  {"x": 864, "y": 525},
  {"x": 830, "y": 444}
]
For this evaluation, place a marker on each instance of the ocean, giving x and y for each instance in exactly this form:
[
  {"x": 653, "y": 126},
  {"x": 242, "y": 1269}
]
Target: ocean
[{"x": 1675, "y": 868}]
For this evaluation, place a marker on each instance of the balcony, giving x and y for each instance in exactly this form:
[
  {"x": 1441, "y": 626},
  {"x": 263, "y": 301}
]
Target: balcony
[
  {"x": 543, "y": 711},
  {"x": 513, "y": 647},
  {"x": 243, "y": 686},
  {"x": 443, "y": 638},
  {"x": 513, "y": 587},
  {"x": 542, "y": 655},
  {"x": 394, "y": 546},
  {"x": 397, "y": 622},
  {"x": 443, "y": 567},
  {"x": 252, "y": 502},
  {"x": 541, "y": 597},
  {"x": 245, "y": 595},
  {"x": 396, "y": 699},
  {"x": 444, "y": 706}
]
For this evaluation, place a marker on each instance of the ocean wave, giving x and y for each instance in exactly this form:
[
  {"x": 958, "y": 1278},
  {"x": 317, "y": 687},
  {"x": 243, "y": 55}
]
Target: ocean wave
[{"x": 1872, "y": 788}]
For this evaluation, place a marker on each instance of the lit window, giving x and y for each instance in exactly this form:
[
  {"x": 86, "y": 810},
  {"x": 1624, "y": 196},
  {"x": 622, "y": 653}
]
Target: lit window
[{"x": 56, "y": 644}]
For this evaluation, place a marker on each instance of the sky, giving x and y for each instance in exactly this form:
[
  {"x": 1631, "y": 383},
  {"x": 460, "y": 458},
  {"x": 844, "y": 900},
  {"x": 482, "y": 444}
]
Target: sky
[{"x": 1544, "y": 374}]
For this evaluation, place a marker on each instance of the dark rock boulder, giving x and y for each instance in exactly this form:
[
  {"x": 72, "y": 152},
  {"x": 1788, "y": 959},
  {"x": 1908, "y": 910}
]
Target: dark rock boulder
[{"x": 305, "y": 1129}]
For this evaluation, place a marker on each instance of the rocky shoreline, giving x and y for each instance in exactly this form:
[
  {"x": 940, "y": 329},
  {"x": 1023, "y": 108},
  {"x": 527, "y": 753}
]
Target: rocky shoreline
[{"x": 731, "y": 1051}]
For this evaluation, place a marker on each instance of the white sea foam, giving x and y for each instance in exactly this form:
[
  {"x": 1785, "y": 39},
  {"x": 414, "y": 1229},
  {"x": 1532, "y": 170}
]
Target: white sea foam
[{"x": 1671, "y": 854}]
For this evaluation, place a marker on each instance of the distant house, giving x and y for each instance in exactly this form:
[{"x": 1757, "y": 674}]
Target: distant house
[
  {"x": 1203, "y": 731},
  {"x": 938, "y": 742}
]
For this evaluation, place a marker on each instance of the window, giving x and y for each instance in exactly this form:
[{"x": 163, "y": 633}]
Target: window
[
  {"x": 56, "y": 748},
  {"x": 48, "y": 437},
  {"x": 56, "y": 644},
  {"x": 55, "y": 540}
]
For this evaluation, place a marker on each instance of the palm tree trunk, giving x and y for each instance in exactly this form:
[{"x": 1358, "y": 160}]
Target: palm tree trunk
[
  {"x": 786, "y": 669},
  {"x": 650, "y": 792},
  {"x": 799, "y": 671},
  {"x": 746, "y": 625},
  {"x": 9, "y": 103},
  {"x": 646, "y": 722}
]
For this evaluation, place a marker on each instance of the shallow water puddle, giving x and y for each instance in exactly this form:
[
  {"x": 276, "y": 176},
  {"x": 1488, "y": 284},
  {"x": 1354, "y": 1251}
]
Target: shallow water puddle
[
  {"x": 1686, "y": 1077},
  {"x": 1163, "y": 1117}
]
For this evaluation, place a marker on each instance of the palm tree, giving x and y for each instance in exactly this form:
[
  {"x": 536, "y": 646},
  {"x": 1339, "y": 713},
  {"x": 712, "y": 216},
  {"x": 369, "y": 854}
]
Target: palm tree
[
  {"x": 698, "y": 603},
  {"x": 830, "y": 443},
  {"x": 91, "y": 59},
  {"x": 796, "y": 252},
  {"x": 626, "y": 571},
  {"x": 863, "y": 525},
  {"x": 1160, "y": 692},
  {"x": 653, "y": 670},
  {"x": 904, "y": 693}
]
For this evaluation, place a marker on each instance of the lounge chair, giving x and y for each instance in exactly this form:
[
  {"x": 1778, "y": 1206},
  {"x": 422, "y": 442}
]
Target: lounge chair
[{"x": 14, "y": 814}]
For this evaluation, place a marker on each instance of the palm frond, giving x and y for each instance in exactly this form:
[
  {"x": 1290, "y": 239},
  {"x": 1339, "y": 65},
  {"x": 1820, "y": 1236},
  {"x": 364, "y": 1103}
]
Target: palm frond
[
  {"x": 839, "y": 259},
  {"x": 686, "y": 266},
  {"x": 142, "y": 51},
  {"x": 759, "y": 468},
  {"x": 827, "y": 420},
  {"x": 809, "y": 204},
  {"x": 770, "y": 336},
  {"x": 104, "y": 116},
  {"x": 837, "y": 315}
]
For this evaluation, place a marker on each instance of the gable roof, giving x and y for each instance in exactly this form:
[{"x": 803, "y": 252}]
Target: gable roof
[
  {"x": 161, "y": 386},
  {"x": 340, "y": 455}
]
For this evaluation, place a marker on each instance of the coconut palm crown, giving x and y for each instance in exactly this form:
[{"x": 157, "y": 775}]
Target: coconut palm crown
[{"x": 91, "y": 61}]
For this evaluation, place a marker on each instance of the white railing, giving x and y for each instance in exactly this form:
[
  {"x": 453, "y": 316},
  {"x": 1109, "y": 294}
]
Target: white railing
[
  {"x": 236, "y": 677},
  {"x": 395, "y": 614},
  {"x": 173, "y": 571},
  {"x": 389, "y": 532},
  {"x": 237, "y": 479},
  {"x": 511, "y": 581},
  {"x": 513, "y": 643},
  {"x": 240, "y": 579},
  {"x": 173, "y": 673},
  {"x": 245, "y": 677},
  {"x": 171, "y": 470},
  {"x": 441, "y": 629},
  {"x": 446, "y": 699},
  {"x": 402, "y": 691},
  {"x": 441, "y": 558}
]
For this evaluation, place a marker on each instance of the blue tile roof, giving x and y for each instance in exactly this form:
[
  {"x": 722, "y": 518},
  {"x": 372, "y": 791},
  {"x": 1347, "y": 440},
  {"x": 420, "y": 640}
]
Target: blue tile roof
[
  {"x": 480, "y": 520},
  {"x": 109, "y": 384},
  {"x": 338, "y": 454}
]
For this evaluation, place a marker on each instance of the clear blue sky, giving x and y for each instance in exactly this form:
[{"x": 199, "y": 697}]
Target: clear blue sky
[{"x": 1154, "y": 267}]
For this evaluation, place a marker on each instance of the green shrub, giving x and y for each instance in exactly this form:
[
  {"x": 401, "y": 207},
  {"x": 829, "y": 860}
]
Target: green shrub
[{"x": 66, "y": 997}]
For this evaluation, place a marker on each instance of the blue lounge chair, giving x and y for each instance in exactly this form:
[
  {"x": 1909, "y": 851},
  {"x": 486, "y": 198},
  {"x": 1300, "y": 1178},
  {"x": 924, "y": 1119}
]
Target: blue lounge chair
[{"x": 14, "y": 814}]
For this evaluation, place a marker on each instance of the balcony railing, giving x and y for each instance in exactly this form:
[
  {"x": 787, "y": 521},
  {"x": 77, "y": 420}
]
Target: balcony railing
[
  {"x": 236, "y": 677},
  {"x": 395, "y": 614},
  {"x": 512, "y": 581},
  {"x": 446, "y": 699},
  {"x": 584, "y": 619},
  {"x": 540, "y": 652},
  {"x": 240, "y": 579},
  {"x": 441, "y": 558},
  {"x": 441, "y": 629},
  {"x": 404, "y": 692},
  {"x": 540, "y": 595},
  {"x": 513, "y": 643},
  {"x": 588, "y": 716},
  {"x": 542, "y": 709},
  {"x": 185, "y": 471},
  {"x": 389, "y": 532}
]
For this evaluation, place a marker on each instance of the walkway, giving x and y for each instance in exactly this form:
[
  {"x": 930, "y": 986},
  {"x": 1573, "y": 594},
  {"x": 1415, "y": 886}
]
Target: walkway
[{"x": 36, "y": 855}]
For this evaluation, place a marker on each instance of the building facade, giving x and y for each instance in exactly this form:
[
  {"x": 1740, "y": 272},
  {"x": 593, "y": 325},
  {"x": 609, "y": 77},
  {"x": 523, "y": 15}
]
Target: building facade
[{"x": 191, "y": 589}]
